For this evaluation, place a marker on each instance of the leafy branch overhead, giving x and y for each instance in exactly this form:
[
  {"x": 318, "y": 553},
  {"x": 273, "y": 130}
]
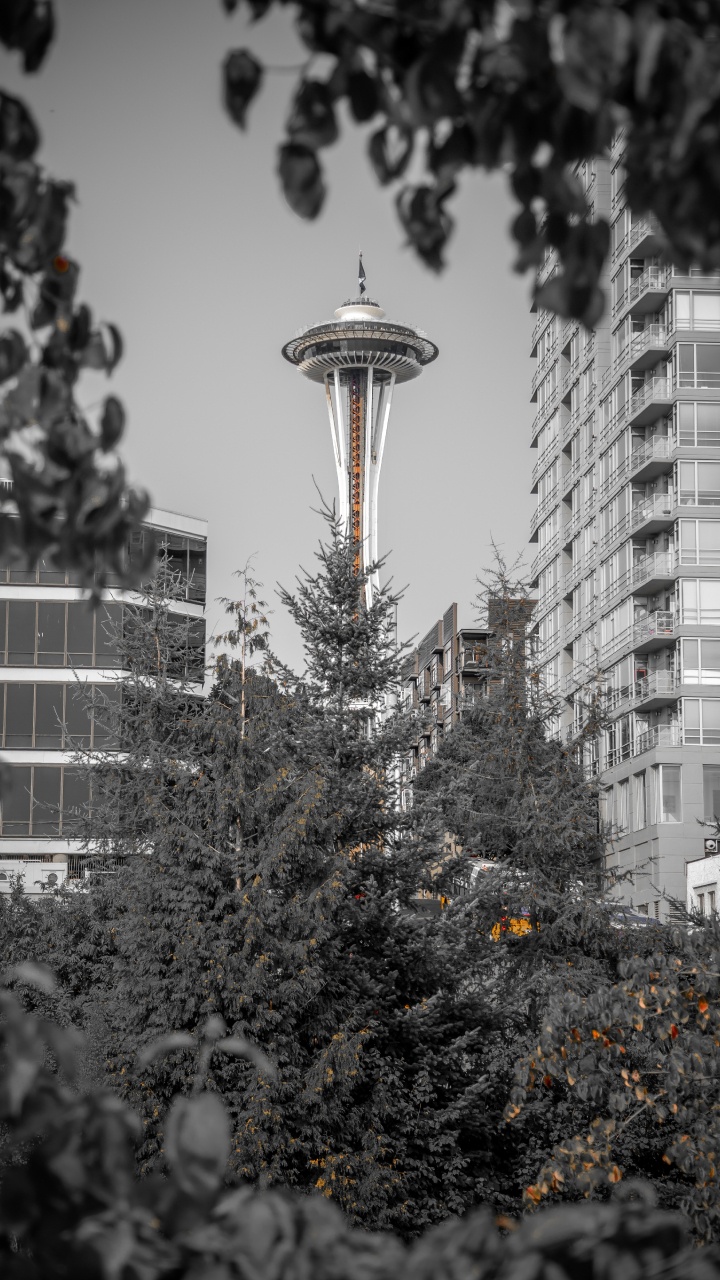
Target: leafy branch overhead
[
  {"x": 531, "y": 87},
  {"x": 70, "y": 502}
]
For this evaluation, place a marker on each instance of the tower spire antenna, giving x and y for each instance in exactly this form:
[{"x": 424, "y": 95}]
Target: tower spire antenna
[{"x": 361, "y": 276}]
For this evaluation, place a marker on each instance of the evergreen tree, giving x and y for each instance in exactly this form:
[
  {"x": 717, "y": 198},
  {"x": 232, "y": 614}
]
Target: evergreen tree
[{"x": 268, "y": 880}]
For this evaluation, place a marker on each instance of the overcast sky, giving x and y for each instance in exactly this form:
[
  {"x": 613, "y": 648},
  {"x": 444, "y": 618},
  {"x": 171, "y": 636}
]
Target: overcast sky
[{"x": 186, "y": 243}]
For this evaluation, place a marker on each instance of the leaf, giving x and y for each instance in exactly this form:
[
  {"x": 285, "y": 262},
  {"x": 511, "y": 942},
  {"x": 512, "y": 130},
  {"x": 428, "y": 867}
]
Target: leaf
[
  {"x": 112, "y": 423},
  {"x": 302, "y": 181},
  {"x": 390, "y": 149},
  {"x": 197, "y": 1143},
  {"x": 362, "y": 92},
  {"x": 34, "y": 975},
  {"x": 27, "y": 25},
  {"x": 13, "y": 354},
  {"x": 19, "y": 135},
  {"x": 312, "y": 122},
  {"x": 242, "y": 78}
]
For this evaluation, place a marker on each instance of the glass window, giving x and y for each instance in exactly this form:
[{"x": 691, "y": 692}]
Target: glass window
[
  {"x": 699, "y": 484},
  {"x": 197, "y": 569},
  {"x": 47, "y": 574},
  {"x": 21, "y": 633},
  {"x": 48, "y": 716},
  {"x": 76, "y": 797},
  {"x": 700, "y": 541},
  {"x": 108, "y": 630},
  {"x": 621, "y": 807},
  {"x": 16, "y": 801},
  {"x": 700, "y": 601},
  {"x": 80, "y": 635},
  {"x": 711, "y": 792},
  {"x": 78, "y": 716},
  {"x": 701, "y": 721},
  {"x": 45, "y": 815},
  {"x": 668, "y": 793},
  {"x": 19, "y": 715},
  {"x": 106, "y": 698},
  {"x": 706, "y": 310},
  {"x": 640, "y": 801},
  {"x": 51, "y": 634},
  {"x": 698, "y": 425}
]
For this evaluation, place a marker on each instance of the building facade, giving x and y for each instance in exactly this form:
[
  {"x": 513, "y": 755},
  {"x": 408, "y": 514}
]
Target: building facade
[
  {"x": 52, "y": 641},
  {"x": 440, "y": 679},
  {"x": 627, "y": 527}
]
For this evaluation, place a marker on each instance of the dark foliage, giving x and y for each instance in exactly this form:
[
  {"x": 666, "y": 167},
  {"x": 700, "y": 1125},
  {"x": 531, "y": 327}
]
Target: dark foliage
[{"x": 533, "y": 88}]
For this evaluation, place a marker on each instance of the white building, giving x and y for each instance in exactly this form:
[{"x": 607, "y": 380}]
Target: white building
[
  {"x": 50, "y": 639},
  {"x": 627, "y": 433}
]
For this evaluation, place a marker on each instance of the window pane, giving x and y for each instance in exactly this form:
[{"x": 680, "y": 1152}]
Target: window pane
[
  {"x": 197, "y": 570},
  {"x": 16, "y": 801},
  {"x": 76, "y": 797},
  {"x": 711, "y": 792},
  {"x": 691, "y": 721},
  {"x": 77, "y": 716},
  {"x": 711, "y": 721},
  {"x": 706, "y": 307},
  {"x": 708, "y": 364},
  {"x": 108, "y": 630},
  {"x": 708, "y": 483},
  {"x": 710, "y": 665},
  {"x": 708, "y": 424},
  {"x": 690, "y": 662},
  {"x": 670, "y": 791},
  {"x": 21, "y": 633},
  {"x": 48, "y": 716},
  {"x": 106, "y": 700},
  {"x": 708, "y": 536},
  {"x": 80, "y": 635},
  {"x": 50, "y": 575},
  {"x": 682, "y": 307},
  {"x": 51, "y": 634},
  {"x": 686, "y": 358},
  {"x": 46, "y": 801},
  {"x": 709, "y": 601},
  {"x": 686, "y": 423},
  {"x": 19, "y": 715},
  {"x": 640, "y": 801}
]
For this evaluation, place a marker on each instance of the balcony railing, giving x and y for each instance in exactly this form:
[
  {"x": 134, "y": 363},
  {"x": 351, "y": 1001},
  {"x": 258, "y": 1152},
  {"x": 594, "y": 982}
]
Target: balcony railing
[
  {"x": 659, "y": 566},
  {"x": 657, "y": 392},
  {"x": 657, "y": 625},
  {"x": 643, "y": 229},
  {"x": 543, "y": 462},
  {"x": 659, "y": 508},
  {"x": 661, "y": 735},
  {"x": 543, "y": 510},
  {"x": 652, "y": 280}
]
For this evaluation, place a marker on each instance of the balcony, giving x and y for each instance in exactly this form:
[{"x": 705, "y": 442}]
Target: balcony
[
  {"x": 544, "y": 413},
  {"x": 650, "y": 401},
  {"x": 652, "y": 516},
  {"x": 645, "y": 238},
  {"x": 571, "y": 375},
  {"x": 653, "y": 572},
  {"x": 543, "y": 510},
  {"x": 650, "y": 459},
  {"x": 474, "y": 659},
  {"x": 545, "y": 554},
  {"x": 541, "y": 323},
  {"x": 549, "y": 268},
  {"x": 656, "y": 690},
  {"x": 572, "y": 475},
  {"x": 655, "y": 631},
  {"x": 648, "y": 291},
  {"x": 646, "y": 348},
  {"x": 543, "y": 463},
  {"x": 661, "y": 735}
]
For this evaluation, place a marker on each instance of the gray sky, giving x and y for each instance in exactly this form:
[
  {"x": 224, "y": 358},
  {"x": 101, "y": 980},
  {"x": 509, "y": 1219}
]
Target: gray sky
[{"x": 186, "y": 243}]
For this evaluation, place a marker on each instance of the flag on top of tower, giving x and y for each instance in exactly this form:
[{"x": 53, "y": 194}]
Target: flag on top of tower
[{"x": 361, "y": 277}]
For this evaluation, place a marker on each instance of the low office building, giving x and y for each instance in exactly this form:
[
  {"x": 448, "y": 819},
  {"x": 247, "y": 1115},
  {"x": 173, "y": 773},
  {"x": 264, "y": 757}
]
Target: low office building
[{"x": 51, "y": 641}]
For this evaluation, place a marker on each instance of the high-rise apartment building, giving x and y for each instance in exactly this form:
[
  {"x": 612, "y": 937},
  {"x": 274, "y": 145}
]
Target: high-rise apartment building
[
  {"x": 627, "y": 570},
  {"x": 52, "y": 641},
  {"x": 440, "y": 678}
]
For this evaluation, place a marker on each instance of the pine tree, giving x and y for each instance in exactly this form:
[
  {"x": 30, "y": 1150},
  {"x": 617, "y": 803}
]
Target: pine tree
[{"x": 268, "y": 880}]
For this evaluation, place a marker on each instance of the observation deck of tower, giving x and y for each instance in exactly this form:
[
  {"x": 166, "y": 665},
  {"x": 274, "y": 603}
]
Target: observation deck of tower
[{"x": 360, "y": 357}]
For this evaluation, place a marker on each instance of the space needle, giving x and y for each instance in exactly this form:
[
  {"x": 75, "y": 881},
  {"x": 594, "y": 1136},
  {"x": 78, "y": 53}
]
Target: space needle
[{"x": 360, "y": 357}]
